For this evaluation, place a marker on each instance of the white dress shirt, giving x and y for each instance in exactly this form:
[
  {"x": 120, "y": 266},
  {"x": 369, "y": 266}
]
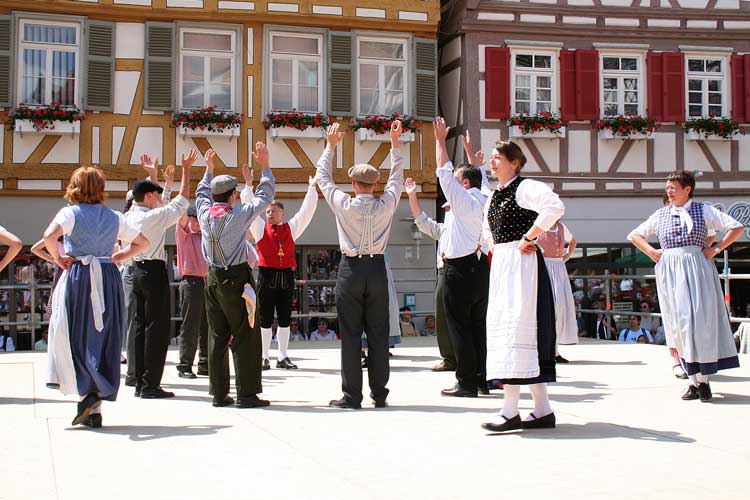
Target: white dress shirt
[
  {"x": 297, "y": 224},
  {"x": 434, "y": 230},
  {"x": 463, "y": 223},
  {"x": 363, "y": 222},
  {"x": 154, "y": 224},
  {"x": 329, "y": 335}
]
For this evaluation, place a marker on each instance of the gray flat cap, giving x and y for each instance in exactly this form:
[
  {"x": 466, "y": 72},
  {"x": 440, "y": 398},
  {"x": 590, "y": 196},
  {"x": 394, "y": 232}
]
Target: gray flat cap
[
  {"x": 364, "y": 173},
  {"x": 223, "y": 184}
]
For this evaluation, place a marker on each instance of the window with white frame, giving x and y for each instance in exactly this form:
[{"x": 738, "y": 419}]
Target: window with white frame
[
  {"x": 706, "y": 86},
  {"x": 621, "y": 85},
  {"x": 207, "y": 68},
  {"x": 48, "y": 53},
  {"x": 533, "y": 82},
  {"x": 382, "y": 76},
  {"x": 296, "y": 72}
]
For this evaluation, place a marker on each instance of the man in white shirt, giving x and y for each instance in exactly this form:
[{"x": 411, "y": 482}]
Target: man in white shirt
[
  {"x": 41, "y": 344},
  {"x": 632, "y": 334},
  {"x": 466, "y": 268},
  {"x": 150, "y": 280},
  {"x": 323, "y": 333}
]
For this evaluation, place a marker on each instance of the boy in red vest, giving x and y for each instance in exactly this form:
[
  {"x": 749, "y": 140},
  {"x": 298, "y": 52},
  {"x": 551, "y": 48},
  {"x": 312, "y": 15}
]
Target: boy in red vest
[{"x": 277, "y": 265}]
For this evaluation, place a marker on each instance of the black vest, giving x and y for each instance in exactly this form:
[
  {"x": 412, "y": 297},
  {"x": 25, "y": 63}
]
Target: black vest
[{"x": 508, "y": 221}]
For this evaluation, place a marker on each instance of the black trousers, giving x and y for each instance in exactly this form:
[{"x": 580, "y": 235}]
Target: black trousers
[
  {"x": 194, "y": 328},
  {"x": 465, "y": 290},
  {"x": 362, "y": 306},
  {"x": 275, "y": 293},
  {"x": 227, "y": 319},
  {"x": 443, "y": 337},
  {"x": 151, "y": 321}
]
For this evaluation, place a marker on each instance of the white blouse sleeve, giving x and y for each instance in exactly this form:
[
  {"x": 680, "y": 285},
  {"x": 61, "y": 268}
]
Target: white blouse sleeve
[
  {"x": 486, "y": 232},
  {"x": 646, "y": 228},
  {"x": 718, "y": 221},
  {"x": 126, "y": 232},
  {"x": 537, "y": 196},
  {"x": 66, "y": 219},
  {"x": 566, "y": 233}
]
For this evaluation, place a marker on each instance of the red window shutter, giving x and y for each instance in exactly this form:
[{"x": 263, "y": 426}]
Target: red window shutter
[
  {"x": 587, "y": 84},
  {"x": 673, "y": 84},
  {"x": 497, "y": 82},
  {"x": 655, "y": 91},
  {"x": 567, "y": 85},
  {"x": 738, "y": 88},
  {"x": 746, "y": 89}
]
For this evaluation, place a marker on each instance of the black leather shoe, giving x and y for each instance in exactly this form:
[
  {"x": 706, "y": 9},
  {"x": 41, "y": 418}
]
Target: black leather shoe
[
  {"x": 560, "y": 359},
  {"x": 130, "y": 382},
  {"x": 512, "y": 424},
  {"x": 94, "y": 421},
  {"x": 90, "y": 402},
  {"x": 286, "y": 364},
  {"x": 459, "y": 392},
  {"x": 691, "y": 393},
  {"x": 704, "y": 391},
  {"x": 155, "y": 393},
  {"x": 186, "y": 374},
  {"x": 381, "y": 404},
  {"x": 344, "y": 403},
  {"x": 251, "y": 402},
  {"x": 123, "y": 361},
  {"x": 364, "y": 362},
  {"x": 545, "y": 422},
  {"x": 138, "y": 389},
  {"x": 52, "y": 385},
  {"x": 266, "y": 364},
  {"x": 202, "y": 371},
  {"x": 221, "y": 402}
]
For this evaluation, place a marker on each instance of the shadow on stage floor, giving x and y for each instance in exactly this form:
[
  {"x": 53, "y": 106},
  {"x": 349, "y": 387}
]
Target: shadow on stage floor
[
  {"x": 601, "y": 430},
  {"x": 152, "y": 432},
  {"x": 599, "y": 362}
]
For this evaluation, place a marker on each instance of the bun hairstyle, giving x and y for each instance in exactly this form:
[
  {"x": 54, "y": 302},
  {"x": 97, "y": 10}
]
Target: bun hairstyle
[{"x": 512, "y": 152}]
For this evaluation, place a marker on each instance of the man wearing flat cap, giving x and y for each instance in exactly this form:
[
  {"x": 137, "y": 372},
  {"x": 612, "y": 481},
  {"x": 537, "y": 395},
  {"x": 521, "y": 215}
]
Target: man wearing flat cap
[
  {"x": 364, "y": 223},
  {"x": 193, "y": 269},
  {"x": 224, "y": 228},
  {"x": 150, "y": 280}
]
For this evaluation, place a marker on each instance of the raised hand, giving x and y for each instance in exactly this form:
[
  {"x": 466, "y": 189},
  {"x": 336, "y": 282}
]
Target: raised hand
[
  {"x": 209, "y": 157},
  {"x": 333, "y": 136},
  {"x": 410, "y": 186},
  {"x": 312, "y": 180},
  {"x": 475, "y": 159},
  {"x": 149, "y": 164},
  {"x": 191, "y": 157},
  {"x": 441, "y": 129},
  {"x": 247, "y": 174},
  {"x": 261, "y": 155},
  {"x": 168, "y": 174},
  {"x": 397, "y": 128}
]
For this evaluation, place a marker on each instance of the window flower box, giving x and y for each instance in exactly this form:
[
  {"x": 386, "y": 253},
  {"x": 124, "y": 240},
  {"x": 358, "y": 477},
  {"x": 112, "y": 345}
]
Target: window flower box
[
  {"x": 207, "y": 122},
  {"x": 541, "y": 126},
  {"x": 515, "y": 132},
  {"x": 206, "y": 132},
  {"x": 711, "y": 129},
  {"x": 294, "y": 133},
  {"x": 55, "y": 127},
  {"x": 626, "y": 127},
  {"x": 377, "y": 128},
  {"x": 53, "y": 119},
  {"x": 364, "y": 134}
]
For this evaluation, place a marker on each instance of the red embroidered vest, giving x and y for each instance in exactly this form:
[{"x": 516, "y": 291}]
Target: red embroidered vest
[{"x": 276, "y": 247}]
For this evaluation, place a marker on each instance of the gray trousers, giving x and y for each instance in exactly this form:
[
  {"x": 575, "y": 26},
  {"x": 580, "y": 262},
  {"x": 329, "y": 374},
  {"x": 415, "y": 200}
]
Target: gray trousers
[
  {"x": 362, "y": 305},
  {"x": 129, "y": 338},
  {"x": 194, "y": 329}
]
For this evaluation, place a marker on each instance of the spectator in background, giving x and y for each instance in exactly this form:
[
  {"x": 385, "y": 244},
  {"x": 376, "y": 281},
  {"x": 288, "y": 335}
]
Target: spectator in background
[
  {"x": 605, "y": 327},
  {"x": 408, "y": 329},
  {"x": 295, "y": 334},
  {"x": 429, "y": 329},
  {"x": 635, "y": 331},
  {"x": 6, "y": 342},
  {"x": 41, "y": 344},
  {"x": 323, "y": 333}
]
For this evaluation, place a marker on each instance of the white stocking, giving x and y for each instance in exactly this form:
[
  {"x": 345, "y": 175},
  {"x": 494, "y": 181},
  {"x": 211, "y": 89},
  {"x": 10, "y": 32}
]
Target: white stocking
[
  {"x": 541, "y": 400},
  {"x": 702, "y": 379},
  {"x": 282, "y": 335},
  {"x": 266, "y": 336},
  {"x": 511, "y": 397}
]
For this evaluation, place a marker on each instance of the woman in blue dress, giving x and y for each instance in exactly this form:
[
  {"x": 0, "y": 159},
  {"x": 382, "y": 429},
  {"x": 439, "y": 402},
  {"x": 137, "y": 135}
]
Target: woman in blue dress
[
  {"x": 695, "y": 317},
  {"x": 86, "y": 325}
]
